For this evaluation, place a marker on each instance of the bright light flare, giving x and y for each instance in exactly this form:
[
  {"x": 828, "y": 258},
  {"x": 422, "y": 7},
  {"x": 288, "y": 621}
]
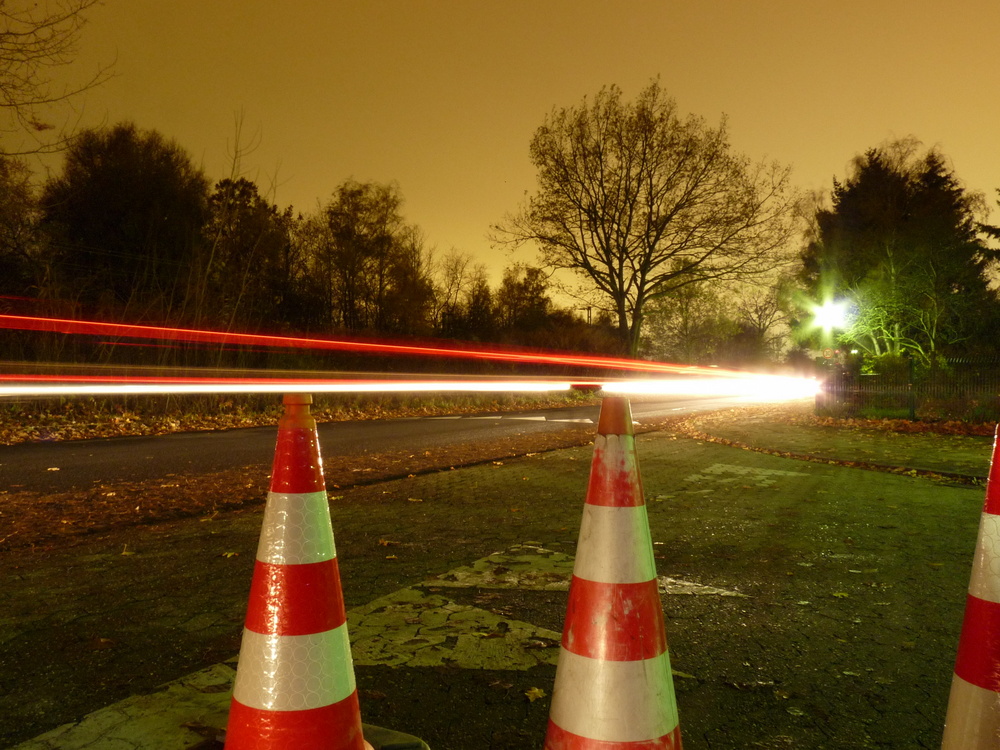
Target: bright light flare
[
  {"x": 830, "y": 315},
  {"x": 750, "y": 387}
]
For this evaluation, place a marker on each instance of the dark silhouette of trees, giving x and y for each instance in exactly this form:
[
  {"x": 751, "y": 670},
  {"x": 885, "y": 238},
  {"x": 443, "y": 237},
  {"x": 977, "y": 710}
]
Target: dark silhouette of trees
[
  {"x": 36, "y": 38},
  {"x": 902, "y": 243},
  {"x": 642, "y": 203},
  {"x": 522, "y": 302},
  {"x": 691, "y": 325},
  {"x": 125, "y": 221},
  {"x": 20, "y": 269},
  {"x": 130, "y": 231},
  {"x": 372, "y": 265},
  {"x": 253, "y": 272}
]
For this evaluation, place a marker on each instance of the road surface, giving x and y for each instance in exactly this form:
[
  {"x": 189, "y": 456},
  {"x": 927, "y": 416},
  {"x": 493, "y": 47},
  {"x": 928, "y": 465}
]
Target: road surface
[{"x": 82, "y": 464}]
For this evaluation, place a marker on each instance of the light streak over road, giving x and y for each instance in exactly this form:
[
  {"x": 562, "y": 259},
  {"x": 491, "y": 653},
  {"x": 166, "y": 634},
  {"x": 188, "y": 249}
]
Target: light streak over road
[
  {"x": 674, "y": 380},
  {"x": 751, "y": 387}
]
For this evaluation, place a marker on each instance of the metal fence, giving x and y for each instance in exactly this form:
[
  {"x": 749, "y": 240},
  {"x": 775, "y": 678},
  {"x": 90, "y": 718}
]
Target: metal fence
[{"x": 966, "y": 391}]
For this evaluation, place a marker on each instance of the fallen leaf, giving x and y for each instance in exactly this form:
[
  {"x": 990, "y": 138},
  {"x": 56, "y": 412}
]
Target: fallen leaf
[
  {"x": 53, "y": 468},
  {"x": 533, "y": 694},
  {"x": 840, "y": 594},
  {"x": 230, "y": 554},
  {"x": 414, "y": 500}
]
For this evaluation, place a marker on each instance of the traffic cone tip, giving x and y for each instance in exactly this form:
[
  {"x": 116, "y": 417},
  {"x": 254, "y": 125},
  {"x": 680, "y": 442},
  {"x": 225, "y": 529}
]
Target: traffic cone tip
[{"x": 616, "y": 416}]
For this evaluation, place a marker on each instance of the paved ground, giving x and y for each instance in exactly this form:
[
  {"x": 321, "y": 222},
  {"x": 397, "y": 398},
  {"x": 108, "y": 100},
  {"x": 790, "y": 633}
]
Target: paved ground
[{"x": 808, "y": 604}]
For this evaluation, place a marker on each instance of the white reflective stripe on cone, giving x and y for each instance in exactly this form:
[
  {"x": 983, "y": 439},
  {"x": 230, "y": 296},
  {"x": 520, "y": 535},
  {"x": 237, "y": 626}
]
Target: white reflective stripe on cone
[
  {"x": 973, "y": 718},
  {"x": 294, "y": 672},
  {"x": 604, "y": 532},
  {"x": 296, "y": 529},
  {"x": 615, "y": 449},
  {"x": 614, "y": 701},
  {"x": 985, "y": 582}
]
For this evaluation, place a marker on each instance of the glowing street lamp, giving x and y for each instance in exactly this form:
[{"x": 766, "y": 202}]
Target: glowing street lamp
[{"x": 830, "y": 315}]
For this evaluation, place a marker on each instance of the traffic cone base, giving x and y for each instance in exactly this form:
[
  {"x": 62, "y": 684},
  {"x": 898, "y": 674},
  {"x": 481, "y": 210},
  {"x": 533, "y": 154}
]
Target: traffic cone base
[
  {"x": 582, "y": 707},
  {"x": 972, "y": 713},
  {"x": 559, "y": 739},
  {"x": 257, "y": 729}
]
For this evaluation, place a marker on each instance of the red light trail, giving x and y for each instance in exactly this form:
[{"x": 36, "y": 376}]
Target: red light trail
[{"x": 360, "y": 346}]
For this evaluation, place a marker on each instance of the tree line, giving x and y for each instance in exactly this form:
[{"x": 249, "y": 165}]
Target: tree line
[
  {"x": 131, "y": 229},
  {"x": 659, "y": 239}
]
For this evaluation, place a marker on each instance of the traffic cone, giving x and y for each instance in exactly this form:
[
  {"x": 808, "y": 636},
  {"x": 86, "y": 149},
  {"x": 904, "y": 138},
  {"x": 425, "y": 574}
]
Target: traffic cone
[
  {"x": 613, "y": 687},
  {"x": 295, "y": 686},
  {"x": 973, "y": 718}
]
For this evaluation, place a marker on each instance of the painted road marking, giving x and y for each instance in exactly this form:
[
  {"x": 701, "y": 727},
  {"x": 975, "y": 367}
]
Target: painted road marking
[
  {"x": 728, "y": 473},
  {"x": 531, "y": 567},
  {"x": 524, "y": 566},
  {"x": 414, "y": 628}
]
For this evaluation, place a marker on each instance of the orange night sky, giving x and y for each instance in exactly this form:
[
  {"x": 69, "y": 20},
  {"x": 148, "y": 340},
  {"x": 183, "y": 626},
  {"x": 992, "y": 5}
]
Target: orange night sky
[{"x": 442, "y": 96}]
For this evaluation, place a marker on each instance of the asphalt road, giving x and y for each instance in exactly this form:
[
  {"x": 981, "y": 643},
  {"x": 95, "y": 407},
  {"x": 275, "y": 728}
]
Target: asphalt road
[{"x": 82, "y": 464}]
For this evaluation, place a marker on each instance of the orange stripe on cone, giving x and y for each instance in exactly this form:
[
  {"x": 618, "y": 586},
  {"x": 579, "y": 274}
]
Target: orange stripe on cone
[
  {"x": 614, "y": 688},
  {"x": 295, "y": 684},
  {"x": 973, "y": 718}
]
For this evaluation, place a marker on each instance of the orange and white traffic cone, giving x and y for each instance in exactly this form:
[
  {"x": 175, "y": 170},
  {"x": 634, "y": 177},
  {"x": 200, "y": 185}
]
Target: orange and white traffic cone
[
  {"x": 613, "y": 688},
  {"x": 973, "y": 718},
  {"x": 295, "y": 685}
]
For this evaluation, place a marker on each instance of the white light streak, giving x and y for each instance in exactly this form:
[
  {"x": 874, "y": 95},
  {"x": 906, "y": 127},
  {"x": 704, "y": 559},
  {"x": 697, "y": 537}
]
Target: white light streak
[
  {"x": 748, "y": 387},
  {"x": 36, "y": 390},
  {"x": 755, "y": 388}
]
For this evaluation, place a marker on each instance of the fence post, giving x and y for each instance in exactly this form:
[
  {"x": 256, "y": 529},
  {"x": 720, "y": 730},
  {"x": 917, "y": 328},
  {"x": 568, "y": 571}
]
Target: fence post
[{"x": 910, "y": 391}]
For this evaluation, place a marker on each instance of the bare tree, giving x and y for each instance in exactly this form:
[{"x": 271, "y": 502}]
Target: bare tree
[
  {"x": 36, "y": 39},
  {"x": 762, "y": 320},
  {"x": 642, "y": 203}
]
